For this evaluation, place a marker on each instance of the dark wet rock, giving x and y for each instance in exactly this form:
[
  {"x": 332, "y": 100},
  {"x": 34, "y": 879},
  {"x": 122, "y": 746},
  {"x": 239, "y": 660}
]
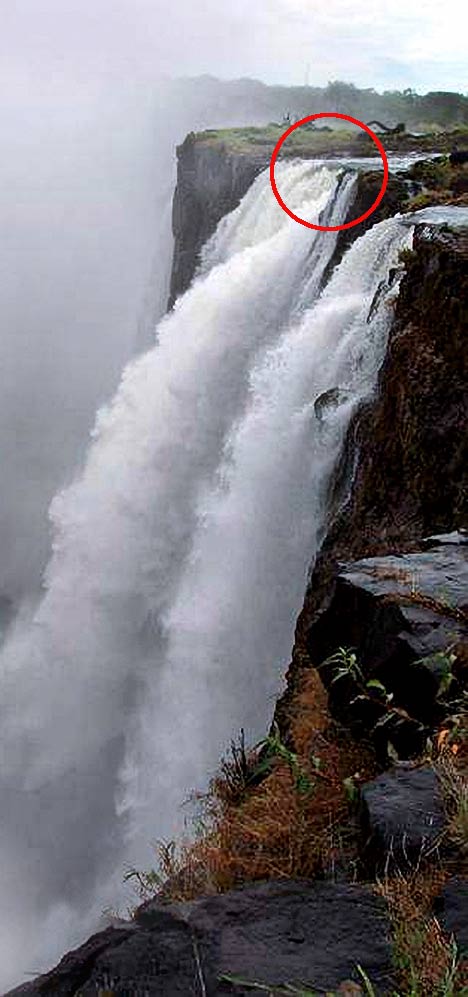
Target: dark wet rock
[
  {"x": 328, "y": 401},
  {"x": 369, "y": 183},
  {"x": 74, "y": 968},
  {"x": 406, "y": 618},
  {"x": 403, "y": 815},
  {"x": 451, "y": 909},
  {"x": 211, "y": 182},
  {"x": 275, "y": 932}
]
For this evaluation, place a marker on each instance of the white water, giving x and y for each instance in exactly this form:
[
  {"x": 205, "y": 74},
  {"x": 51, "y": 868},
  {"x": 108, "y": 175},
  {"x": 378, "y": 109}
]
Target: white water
[{"x": 181, "y": 555}]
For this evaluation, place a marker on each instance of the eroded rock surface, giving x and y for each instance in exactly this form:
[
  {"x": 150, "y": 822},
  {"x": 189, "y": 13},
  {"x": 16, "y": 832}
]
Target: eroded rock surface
[
  {"x": 271, "y": 933},
  {"x": 406, "y": 619},
  {"x": 211, "y": 182},
  {"x": 451, "y": 909},
  {"x": 404, "y": 813}
]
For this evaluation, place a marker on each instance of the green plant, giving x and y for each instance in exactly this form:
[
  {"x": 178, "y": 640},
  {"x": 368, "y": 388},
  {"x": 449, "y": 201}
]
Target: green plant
[
  {"x": 272, "y": 748},
  {"x": 442, "y": 662},
  {"x": 368, "y": 988},
  {"x": 346, "y": 665},
  {"x": 351, "y": 788},
  {"x": 426, "y": 961}
]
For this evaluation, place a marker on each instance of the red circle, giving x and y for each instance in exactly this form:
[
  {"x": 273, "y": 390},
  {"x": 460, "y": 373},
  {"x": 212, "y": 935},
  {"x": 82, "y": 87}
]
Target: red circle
[{"x": 354, "y": 121}]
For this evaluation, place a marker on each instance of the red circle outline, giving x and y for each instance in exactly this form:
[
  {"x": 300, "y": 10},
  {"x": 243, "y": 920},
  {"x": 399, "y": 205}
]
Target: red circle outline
[{"x": 354, "y": 121}]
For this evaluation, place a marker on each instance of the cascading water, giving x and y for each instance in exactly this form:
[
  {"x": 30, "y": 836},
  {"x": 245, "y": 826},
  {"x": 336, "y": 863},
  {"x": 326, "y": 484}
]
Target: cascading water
[{"x": 181, "y": 554}]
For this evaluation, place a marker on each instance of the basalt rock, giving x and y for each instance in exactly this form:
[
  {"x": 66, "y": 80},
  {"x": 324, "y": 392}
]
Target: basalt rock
[
  {"x": 403, "y": 814},
  {"x": 451, "y": 910},
  {"x": 404, "y": 471},
  {"x": 211, "y": 182},
  {"x": 406, "y": 619},
  {"x": 271, "y": 933}
]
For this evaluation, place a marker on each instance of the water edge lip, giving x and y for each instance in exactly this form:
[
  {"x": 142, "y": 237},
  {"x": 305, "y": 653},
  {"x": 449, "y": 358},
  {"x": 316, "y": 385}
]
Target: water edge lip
[{"x": 302, "y": 221}]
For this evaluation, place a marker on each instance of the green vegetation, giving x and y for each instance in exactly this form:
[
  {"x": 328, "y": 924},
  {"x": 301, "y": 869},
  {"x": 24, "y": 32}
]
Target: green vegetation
[
  {"x": 273, "y": 749},
  {"x": 346, "y": 666},
  {"x": 305, "y": 141},
  {"x": 311, "y": 140},
  {"x": 441, "y": 183}
]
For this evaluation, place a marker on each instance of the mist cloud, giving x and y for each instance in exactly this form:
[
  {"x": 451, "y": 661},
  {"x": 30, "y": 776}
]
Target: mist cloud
[{"x": 272, "y": 39}]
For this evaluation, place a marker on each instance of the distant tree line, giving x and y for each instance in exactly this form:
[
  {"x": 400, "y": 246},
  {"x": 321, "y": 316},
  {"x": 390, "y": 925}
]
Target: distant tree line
[
  {"x": 248, "y": 101},
  {"x": 436, "y": 108}
]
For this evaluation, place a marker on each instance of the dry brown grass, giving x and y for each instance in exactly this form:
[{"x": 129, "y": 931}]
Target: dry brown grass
[
  {"x": 423, "y": 954},
  {"x": 271, "y": 830},
  {"x": 274, "y": 830},
  {"x": 452, "y": 770}
]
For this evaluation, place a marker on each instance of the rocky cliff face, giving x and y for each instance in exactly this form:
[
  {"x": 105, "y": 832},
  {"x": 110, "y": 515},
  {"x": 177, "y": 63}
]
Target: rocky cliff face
[
  {"x": 403, "y": 476},
  {"x": 210, "y": 183},
  {"x": 408, "y": 446}
]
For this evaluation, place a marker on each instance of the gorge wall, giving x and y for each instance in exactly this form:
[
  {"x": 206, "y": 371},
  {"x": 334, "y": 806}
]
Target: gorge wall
[
  {"x": 210, "y": 183},
  {"x": 406, "y": 450}
]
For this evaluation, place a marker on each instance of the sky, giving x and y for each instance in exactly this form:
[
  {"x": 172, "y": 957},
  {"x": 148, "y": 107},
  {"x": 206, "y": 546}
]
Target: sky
[{"x": 44, "y": 43}]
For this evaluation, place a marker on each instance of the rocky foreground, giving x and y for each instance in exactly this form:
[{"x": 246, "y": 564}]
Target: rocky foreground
[{"x": 401, "y": 613}]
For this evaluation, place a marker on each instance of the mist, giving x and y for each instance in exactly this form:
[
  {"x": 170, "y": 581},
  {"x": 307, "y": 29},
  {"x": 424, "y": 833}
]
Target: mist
[{"x": 86, "y": 182}]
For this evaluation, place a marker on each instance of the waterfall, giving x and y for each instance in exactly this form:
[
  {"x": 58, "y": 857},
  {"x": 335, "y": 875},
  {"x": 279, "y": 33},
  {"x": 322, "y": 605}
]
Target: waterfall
[{"x": 181, "y": 553}]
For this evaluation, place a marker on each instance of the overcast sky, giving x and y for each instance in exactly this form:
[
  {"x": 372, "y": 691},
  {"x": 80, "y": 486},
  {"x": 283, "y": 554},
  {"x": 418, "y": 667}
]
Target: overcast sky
[{"x": 370, "y": 42}]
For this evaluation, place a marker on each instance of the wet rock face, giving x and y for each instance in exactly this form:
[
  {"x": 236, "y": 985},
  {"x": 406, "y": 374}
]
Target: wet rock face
[
  {"x": 406, "y": 619},
  {"x": 210, "y": 184},
  {"x": 404, "y": 471},
  {"x": 404, "y": 814},
  {"x": 271, "y": 933},
  {"x": 368, "y": 186},
  {"x": 413, "y": 466},
  {"x": 451, "y": 910}
]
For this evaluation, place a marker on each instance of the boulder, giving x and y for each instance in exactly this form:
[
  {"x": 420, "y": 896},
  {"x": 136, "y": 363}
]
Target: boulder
[
  {"x": 451, "y": 909},
  {"x": 270, "y": 933},
  {"x": 71, "y": 972},
  {"x": 403, "y": 816},
  {"x": 403, "y": 616}
]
